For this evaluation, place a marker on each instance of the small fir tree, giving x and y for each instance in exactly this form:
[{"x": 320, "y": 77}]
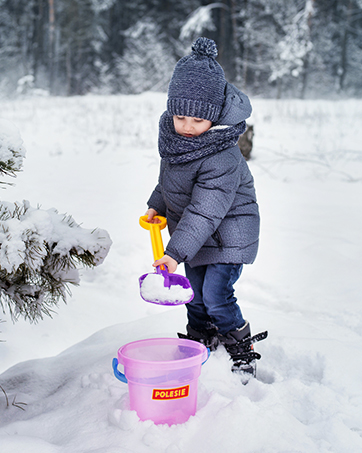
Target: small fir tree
[{"x": 40, "y": 250}]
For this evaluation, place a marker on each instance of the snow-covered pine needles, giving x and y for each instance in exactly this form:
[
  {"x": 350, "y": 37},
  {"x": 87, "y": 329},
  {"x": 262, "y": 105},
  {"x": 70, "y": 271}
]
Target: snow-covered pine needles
[{"x": 39, "y": 249}]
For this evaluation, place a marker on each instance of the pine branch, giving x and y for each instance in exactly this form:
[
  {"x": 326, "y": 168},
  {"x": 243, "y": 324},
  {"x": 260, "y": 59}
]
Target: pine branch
[
  {"x": 1, "y": 341},
  {"x": 36, "y": 272},
  {"x": 12, "y": 152},
  {"x": 11, "y": 166},
  {"x": 40, "y": 251}
]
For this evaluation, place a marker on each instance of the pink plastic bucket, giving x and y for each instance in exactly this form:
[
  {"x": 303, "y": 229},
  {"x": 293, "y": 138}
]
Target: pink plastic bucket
[{"x": 162, "y": 376}]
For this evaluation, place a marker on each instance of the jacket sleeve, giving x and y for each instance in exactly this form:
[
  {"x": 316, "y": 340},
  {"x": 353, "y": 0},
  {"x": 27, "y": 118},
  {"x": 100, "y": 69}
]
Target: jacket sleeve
[
  {"x": 156, "y": 201},
  {"x": 212, "y": 196}
]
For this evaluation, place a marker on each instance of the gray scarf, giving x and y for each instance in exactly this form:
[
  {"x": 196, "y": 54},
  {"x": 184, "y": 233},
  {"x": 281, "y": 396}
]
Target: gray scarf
[{"x": 177, "y": 149}]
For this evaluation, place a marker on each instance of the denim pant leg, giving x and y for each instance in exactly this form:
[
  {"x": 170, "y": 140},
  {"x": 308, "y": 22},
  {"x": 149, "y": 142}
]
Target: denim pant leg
[
  {"x": 214, "y": 300},
  {"x": 196, "y": 311}
]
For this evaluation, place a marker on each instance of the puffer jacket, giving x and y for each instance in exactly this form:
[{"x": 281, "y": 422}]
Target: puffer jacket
[{"x": 210, "y": 203}]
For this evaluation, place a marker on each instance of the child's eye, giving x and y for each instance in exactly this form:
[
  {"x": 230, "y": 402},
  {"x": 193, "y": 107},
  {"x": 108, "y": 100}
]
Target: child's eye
[
  {"x": 180, "y": 117},
  {"x": 198, "y": 120}
]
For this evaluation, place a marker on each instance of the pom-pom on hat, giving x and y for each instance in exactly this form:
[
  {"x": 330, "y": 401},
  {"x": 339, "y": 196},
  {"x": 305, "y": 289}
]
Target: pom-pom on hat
[{"x": 198, "y": 83}]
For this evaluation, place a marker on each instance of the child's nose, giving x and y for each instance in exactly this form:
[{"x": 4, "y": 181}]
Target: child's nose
[{"x": 188, "y": 126}]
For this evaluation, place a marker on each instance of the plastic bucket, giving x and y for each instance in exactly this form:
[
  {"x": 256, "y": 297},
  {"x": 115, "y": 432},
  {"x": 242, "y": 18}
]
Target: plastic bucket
[{"x": 162, "y": 376}]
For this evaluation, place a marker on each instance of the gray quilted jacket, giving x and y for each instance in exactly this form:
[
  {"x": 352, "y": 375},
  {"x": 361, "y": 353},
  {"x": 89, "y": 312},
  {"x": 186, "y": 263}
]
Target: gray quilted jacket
[{"x": 210, "y": 202}]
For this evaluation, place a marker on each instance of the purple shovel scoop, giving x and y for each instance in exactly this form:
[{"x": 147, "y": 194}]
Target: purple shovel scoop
[{"x": 162, "y": 287}]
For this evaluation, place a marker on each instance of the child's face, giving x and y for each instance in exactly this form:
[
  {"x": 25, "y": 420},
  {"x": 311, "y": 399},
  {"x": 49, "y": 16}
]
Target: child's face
[{"x": 189, "y": 126}]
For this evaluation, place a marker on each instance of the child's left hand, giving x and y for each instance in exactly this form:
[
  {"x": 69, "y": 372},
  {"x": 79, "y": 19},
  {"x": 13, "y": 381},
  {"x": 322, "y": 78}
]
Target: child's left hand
[
  {"x": 167, "y": 261},
  {"x": 151, "y": 216}
]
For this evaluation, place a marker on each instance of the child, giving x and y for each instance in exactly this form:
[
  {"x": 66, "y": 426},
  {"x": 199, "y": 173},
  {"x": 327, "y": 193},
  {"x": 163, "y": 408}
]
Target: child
[{"x": 206, "y": 192}]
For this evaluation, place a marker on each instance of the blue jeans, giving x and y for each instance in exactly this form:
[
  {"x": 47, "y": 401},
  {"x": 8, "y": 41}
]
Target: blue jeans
[{"x": 214, "y": 303}]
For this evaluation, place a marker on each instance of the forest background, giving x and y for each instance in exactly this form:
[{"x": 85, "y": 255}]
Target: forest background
[{"x": 268, "y": 48}]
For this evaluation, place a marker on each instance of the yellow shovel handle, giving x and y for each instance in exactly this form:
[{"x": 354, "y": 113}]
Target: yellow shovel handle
[{"x": 155, "y": 231}]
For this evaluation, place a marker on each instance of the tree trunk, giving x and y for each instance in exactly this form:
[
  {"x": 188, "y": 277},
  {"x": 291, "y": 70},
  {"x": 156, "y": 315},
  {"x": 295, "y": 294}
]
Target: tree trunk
[
  {"x": 69, "y": 69},
  {"x": 306, "y": 59},
  {"x": 236, "y": 45},
  {"x": 344, "y": 47},
  {"x": 51, "y": 45}
]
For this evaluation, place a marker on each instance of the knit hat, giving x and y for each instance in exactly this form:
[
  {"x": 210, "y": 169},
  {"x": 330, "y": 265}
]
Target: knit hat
[{"x": 198, "y": 83}]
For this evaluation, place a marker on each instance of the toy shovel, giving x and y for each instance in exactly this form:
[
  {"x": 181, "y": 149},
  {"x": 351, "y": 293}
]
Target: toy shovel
[{"x": 162, "y": 287}]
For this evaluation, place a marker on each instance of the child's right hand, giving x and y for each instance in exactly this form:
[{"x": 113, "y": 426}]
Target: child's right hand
[
  {"x": 169, "y": 262},
  {"x": 151, "y": 213}
]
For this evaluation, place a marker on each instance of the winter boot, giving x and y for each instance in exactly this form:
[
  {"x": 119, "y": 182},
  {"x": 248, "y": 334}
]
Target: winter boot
[
  {"x": 208, "y": 337},
  {"x": 239, "y": 344}
]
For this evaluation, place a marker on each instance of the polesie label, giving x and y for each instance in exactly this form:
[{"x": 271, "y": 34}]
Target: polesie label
[{"x": 171, "y": 394}]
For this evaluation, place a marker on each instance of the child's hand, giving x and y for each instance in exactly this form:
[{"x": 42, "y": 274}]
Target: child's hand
[
  {"x": 151, "y": 213},
  {"x": 167, "y": 261}
]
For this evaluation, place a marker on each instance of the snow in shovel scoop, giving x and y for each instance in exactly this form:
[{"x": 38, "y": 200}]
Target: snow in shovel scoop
[{"x": 153, "y": 290}]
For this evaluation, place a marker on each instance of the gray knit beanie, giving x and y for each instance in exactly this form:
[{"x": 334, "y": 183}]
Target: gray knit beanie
[{"x": 198, "y": 83}]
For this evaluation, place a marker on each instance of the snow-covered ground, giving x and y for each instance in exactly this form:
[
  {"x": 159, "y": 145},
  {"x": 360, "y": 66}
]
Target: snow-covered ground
[{"x": 96, "y": 158}]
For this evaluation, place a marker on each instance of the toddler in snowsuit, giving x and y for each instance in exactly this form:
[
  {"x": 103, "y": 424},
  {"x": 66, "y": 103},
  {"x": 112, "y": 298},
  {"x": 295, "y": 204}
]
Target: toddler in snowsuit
[{"x": 206, "y": 192}]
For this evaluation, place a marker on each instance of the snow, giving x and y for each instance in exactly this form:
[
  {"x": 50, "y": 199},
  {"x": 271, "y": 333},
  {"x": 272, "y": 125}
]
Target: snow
[
  {"x": 96, "y": 159},
  {"x": 153, "y": 289}
]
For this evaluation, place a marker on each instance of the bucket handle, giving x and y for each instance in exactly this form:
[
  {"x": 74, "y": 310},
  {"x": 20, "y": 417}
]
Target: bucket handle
[
  {"x": 117, "y": 373},
  {"x": 208, "y": 355}
]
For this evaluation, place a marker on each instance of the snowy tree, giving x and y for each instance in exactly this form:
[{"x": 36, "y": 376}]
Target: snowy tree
[
  {"x": 40, "y": 250},
  {"x": 294, "y": 49},
  {"x": 199, "y": 20},
  {"x": 267, "y": 47},
  {"x": 350, "y": 39},
  {"x": 146, "y": 63}
]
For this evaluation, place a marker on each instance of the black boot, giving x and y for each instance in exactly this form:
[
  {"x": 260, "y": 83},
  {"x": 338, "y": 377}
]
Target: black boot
[
  {"x": 239, "y": 344},
  {"x": 208, "y": 337}
]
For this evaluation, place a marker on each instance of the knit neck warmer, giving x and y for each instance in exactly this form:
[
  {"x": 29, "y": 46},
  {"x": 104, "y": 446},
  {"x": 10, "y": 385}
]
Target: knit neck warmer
[{"x": 177, "y": 149}]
